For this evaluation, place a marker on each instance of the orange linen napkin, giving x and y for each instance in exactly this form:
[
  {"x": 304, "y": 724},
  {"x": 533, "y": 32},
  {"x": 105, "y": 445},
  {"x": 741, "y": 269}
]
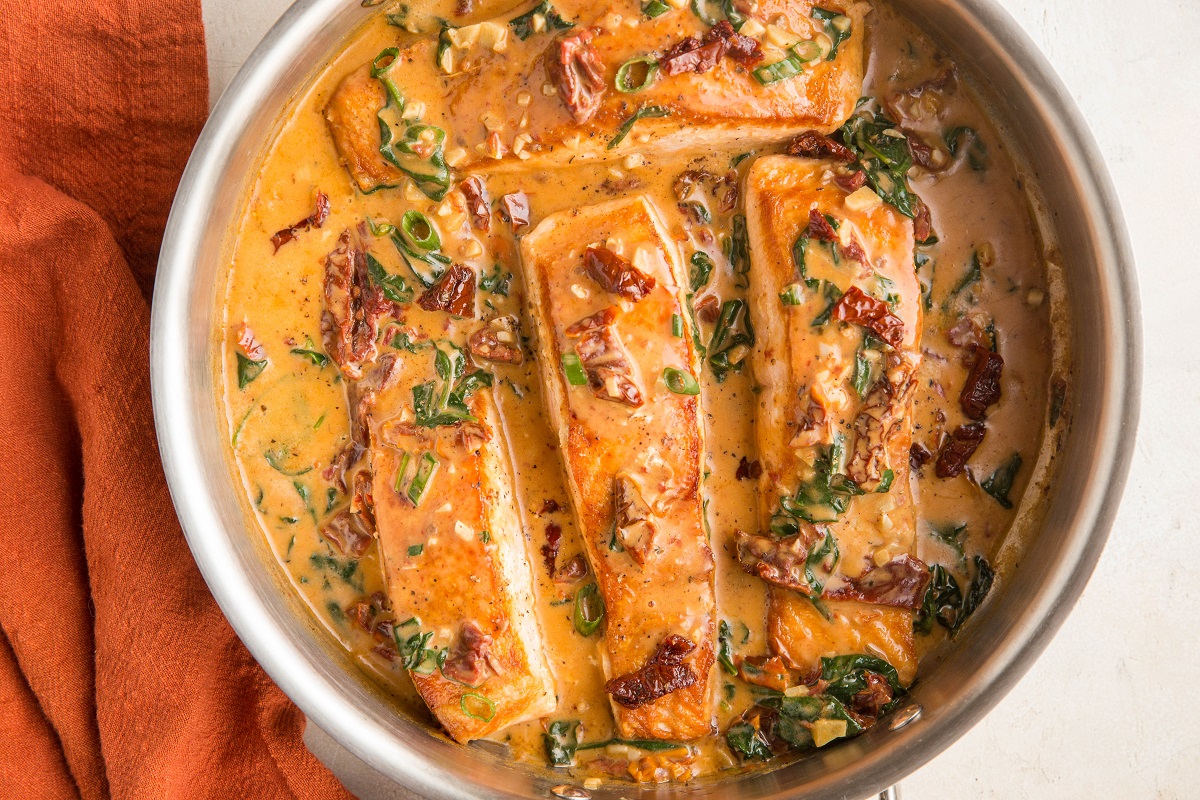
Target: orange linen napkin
[{"x": 119, "y": 677}]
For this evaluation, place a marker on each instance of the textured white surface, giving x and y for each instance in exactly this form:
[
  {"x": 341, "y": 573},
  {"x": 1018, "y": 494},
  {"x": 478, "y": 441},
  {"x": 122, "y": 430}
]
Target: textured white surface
[{"x": 1110, "y": 708}]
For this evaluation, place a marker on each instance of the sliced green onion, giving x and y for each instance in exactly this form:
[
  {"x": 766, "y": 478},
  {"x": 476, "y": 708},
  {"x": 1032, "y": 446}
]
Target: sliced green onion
[
  {"x": 416, "y": 549},
  {"x": 655, "y": 8},
  {"x": 589, "y": 610},
  {"x": 574, "y": 369},
  {"x": 479, "y": 707},
  {"x": 381, "y": 229},
  {"x": 789, "y": 67},
  {"x": 419, "y": 231},
  {"x": 792, "y": 294},
  {"x": 806, "y": 50},
  {"x": 389, "y": 56},
  {"x": 642, "y": 113},
  {"x": 404, "y": 459},
  {"x": 419, "y": 487},
  {"x": 680, "y": 381},
  {"x": 626, "y": 75},
  {"x": 677, "y": 326}
]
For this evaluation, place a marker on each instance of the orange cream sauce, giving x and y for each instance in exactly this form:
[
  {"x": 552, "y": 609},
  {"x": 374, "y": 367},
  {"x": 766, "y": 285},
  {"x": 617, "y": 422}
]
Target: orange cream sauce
[{"x": 286, "y": 425}]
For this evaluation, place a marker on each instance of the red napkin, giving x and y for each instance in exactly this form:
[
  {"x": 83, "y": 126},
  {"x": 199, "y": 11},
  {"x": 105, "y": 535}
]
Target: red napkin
[{"x": 119, "y": 677}]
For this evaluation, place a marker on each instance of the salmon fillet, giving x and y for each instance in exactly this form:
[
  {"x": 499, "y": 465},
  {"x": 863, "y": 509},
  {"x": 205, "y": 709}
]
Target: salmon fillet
[
  {"x": 439, "y": 495},
  {"x": 510, "y": 107},
  {"x": 608, "y": 338},
  {"x": 837, "y": 307}
]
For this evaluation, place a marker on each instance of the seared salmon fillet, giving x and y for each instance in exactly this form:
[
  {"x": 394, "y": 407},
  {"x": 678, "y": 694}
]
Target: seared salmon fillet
[
  {"x": 436, "y": 487},
  {"x": 838, "y": 311},
  {"x": 589, "y": 82},
  {"x": 605, "y": 285}
]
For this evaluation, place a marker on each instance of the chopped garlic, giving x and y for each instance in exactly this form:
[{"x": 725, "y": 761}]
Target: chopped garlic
[
  {"x": 592, "y": 783},
  {"x": 492, "y": 122},
  {"x": 780, "y": 37},
  {"x": 520, "y": 142},
  {"x": 413, "y": 111},
  {"x": 1035, "y": 297},
  {"x": 633, "y": 161},
  {"x": 412, "y": 193},
  {"x": 882, "y": 556},
  {"x": 987, "y": 254},
  {"x": 752, "y": 28},
  {"x": 472, "y": 249},
  {"x": 524, "y": 98},
  {"x": 456, "y": 156},
  {"x": 825, "y": 731},
  {"x": 463, "y": 530},
  {"x": 800, "y": 690},
  {"x": 549, "y": 89},
  {"x": 863, "y": 199}
]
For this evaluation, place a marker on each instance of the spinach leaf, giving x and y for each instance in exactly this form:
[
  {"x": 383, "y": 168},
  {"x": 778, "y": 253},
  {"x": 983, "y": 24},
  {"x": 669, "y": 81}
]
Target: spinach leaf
[
  {"x": 561, "y": 739},
  {"x": 731, "y": 340},
  {"x": 884, "y": 156},
  {"x": 276, "y": 459},
  {"x": 702, "y": 267},
  {"x": 999, "y": 484},
  {"x": 925, "y": 277},
  {"x": 977, "y": 154},
  {"x": 973, "y": 275},
  {"x": 832, "y": 295},
  {"x": 951, "y": 535},
  {"x": 725, "y": 648},
  {"x": 248, "y": 370},
  {"x": 942, "y": 602},
  {"x": 981, "y": 584},
  {"x": 449, "y": 406},
  {"x": 746, "y": 740},
  {"x": 414, "y": 651},
  {"x": 822, "y": 498},
  {"x": 524, "y": 26},
  {"x": 393, "y": 286},
  {"x": 650, "y": 745},
  {"x": 847, "y": 674}
]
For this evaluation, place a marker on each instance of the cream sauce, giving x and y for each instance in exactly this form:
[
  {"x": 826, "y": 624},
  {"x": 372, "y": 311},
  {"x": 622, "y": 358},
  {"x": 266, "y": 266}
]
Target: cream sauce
[{"x": 289, "y": 422}]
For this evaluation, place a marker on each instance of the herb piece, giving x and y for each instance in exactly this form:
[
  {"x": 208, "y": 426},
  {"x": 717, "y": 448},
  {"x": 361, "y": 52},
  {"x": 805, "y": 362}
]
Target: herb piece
[
  {"x": 414, "y": 651},
  {"x": 942, "y": 602},
  {"x": 681, "y": 381},
  {"x": 434, "y": 262},
  {"x": 589, "y": 610},
  {"x": 725, "y": 648},
  {"x": 649, "y": 745},
  {"x": 302, "y": 490},
  {"x": 419, "y": 231},
  {"x": 885, "y": 481},
  {"x": 837, "y": 28},
  {"x": 416, "y": 549},
  {"x": 335, "y": 612},
  {"x": 646, "y": 112},
  {"x": 427, "y": 467},
  {"x": 418, "y": 152},
  {"x": 526, "y": 25},
  {"x": 561, "y": 740},
  {"x": 981, "y": 584},
  {"x": 737, "y": 250},
  {"x": 276, "y": 458},
  {"x": 289, "y": 520},
  {"x": 731, "y": 340},
  {"x": 402, "y": 341},
  {"x": 345, "y": 571},
  {"x": 677, "y": 326},
  {"x": 832, "y": 295},
  {"x": 747, "y": 741},
  {"x": 380, "y": 228},
  {"x": 330, "y": 499},
  {"x": 655, "y": 8},
  {"x": 865, "y": 367},
  {"x": 496, "y": 282},
  {"x": 485, "y": 536},
  {"x": 925, "y": 277},
  {"x": 574, "y": 369},
  {"x": 792, "y": 295},
  {"x": 636, "y": 74},
  {"x": 701, "y": 271},
  {"x": 952, "y": 536},
  {"x": 1000, "y": 482},
  {"x": 977, "y": 154},
  {"x": 248, "y": 370}
]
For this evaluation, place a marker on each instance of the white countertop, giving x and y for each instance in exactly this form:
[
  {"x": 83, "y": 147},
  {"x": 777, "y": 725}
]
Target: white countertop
[{"x": 1110, "y": 709}]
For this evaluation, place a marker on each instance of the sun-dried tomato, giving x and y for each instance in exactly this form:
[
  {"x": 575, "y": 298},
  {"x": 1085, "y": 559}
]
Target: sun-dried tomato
[
  {"x": 748, "y": 470},
  {"x": 918, "y": 455},
  {"x": 853, "y": 251},
  {"x": 777, "y": 561},
  {"x": 574, "y": 66},
  {"x": 959, "y": 446},
  {"x": 354, "y": 304},
  {"x": 873, "y": 698},
  {"x": 852, "y": 182},
  {"x": 601, "y": 319},
  {"x": 514, "y": 208},
  {"x": 819, "y": 228},
  {"x": 497, "y": 341},
  {"x": 550, "y": 548},
  {"x": 922, "y": 221},
  {"x": 475, "y": 192},
  {"x": 616, "y": 275},
  {"x": 550, "y": 506},
  {"x": 249, "y": 343},
  {"x": 982, "y": 388},
  {"x": 811, "y": 144},
  {"x": 467, "y": 661},
  {"x": 348, "y": 533},
  {"x": 453, "y": 292},
  {"x": 609, "y": 370},
  {"x": 314, "y": 220},
  {"x": 700, "y": 55},
  {"x": 664, "y": 673},
  {"x": 858, "y": 307},
  {"x": 900, "y": 583},
  {"x": 768, "y": 671},
  {"x": 572, "y": 569}
]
